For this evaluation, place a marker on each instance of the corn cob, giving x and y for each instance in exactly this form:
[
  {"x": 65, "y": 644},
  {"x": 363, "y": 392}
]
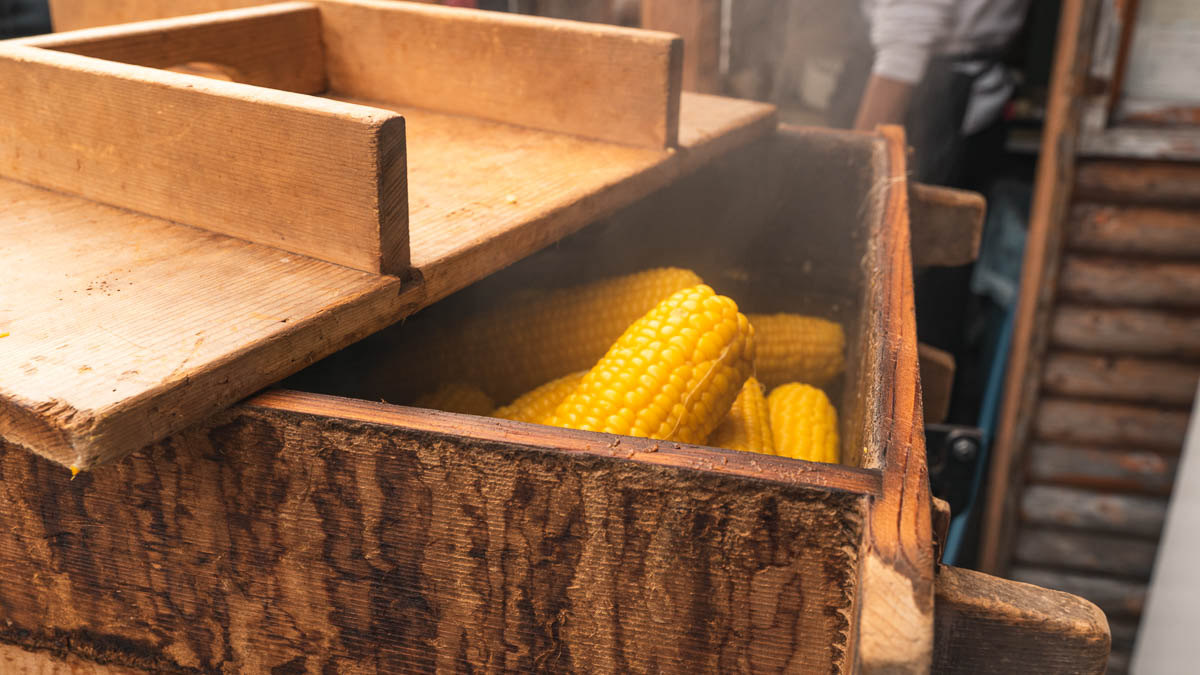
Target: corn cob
[
  {"x": 672, "y": 375},
  {"x": 795, "y": 348},
  {"x": 519, "y": 345},
  {"x": 457, "y": 397},
  {"x": 803, "y": 423},
  {"x": 747, "y": 426},
  {"x": 538, "y": 406}
]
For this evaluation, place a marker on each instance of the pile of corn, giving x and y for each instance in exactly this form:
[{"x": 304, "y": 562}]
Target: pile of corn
[{"x": 682, "y": 364}]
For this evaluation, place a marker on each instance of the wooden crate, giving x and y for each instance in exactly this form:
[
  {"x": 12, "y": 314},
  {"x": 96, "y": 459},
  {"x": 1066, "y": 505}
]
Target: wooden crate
[{"x": 313, "y": 529}]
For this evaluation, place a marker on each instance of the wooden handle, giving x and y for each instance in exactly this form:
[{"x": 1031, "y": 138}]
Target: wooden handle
[
  {"x": 946, "y": 225},
  {"x": 984, "y": 624}
]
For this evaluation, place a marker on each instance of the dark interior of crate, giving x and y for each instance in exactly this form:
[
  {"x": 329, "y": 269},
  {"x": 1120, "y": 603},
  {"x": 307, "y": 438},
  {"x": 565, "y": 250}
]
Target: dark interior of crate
[{"x": 782, "y": 225}]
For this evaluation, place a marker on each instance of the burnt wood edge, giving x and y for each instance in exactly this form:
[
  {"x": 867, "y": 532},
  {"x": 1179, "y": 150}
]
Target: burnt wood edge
[{"x": 783, "y": 470}]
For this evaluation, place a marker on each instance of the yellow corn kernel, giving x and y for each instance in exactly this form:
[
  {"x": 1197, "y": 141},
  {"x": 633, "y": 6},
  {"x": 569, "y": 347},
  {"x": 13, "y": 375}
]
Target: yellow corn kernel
[
  {"x": 747, "y": 426},
  {"x": 538, "y": 406},
  {"x": 795, "y": 348},
  {"x": 672, "y": 375},
  {"x": 537, "y": 337},
  {"x": 803, "y": 423},
  {"x": 457, "y": 397}
]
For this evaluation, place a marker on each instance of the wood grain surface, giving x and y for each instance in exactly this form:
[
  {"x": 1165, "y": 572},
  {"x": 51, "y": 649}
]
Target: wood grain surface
[
  {"x": 1117, "y": 597},
  {"x": 1110, "y": 469},
  {"x": 16, "y": 660},
  {"x": 947, "y": 225},
  {"x": 1121, "y": 331},
  {"x": 276, "y": 46},
  {"x": 1111, "y": 280},
  {"x": 124, "y": 328},
  {"x": 615, "y": 84},
  {"x": 303, "y": 542},
  {"x": 698, "y": 22},
  {"x": 319, "y": 178},
  {"x": 69, "y": 15},
  {"x": 1118, "y": 424},
  {"x": 1085, "y": 552},
  {"x": 1067, "y": 507},
  {"x": 990, "y": 625},
  {"x": 1139, "y": 182},
  {"x": 1123, "y": 378},
  {"x": 1134, "y": 230}
]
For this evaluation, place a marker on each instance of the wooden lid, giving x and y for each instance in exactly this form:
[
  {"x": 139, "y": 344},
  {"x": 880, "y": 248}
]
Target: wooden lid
[{"x": 311, "y": 220}]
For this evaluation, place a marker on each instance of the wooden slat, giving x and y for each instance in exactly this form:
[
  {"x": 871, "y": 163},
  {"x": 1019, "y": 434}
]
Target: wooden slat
[
  {"x": 1139, "y": 182},
  {"x": 274, "y": 539},
  {"x": 1051, "y": 204},
  {"x": 1117, "y": 597},
  {"x": 319, "y": 178},
  {"x": 947, "y": 225},
  {"x": 145, "y": 326},
  {"x": 1089, "y": 510},
  {"x": 1121, "y": 378},
  {"x": 1085, "y": 552},
  {"x": 1115, "y": 281},
  {"x": 1125, "y": 230},
  {"x": 615, "y": 84},
  {"x": 1127, "y": 331},
  {"x": 990, "y": 625},
  {"x": 698, "y": 22},
  {"x": 1102, "y": 469},
  {"x": 277, "y": 46},
  {"x": 1118, "y": 424}
]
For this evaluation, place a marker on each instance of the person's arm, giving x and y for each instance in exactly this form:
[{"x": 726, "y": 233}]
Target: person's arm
[{"x": 903, "y": 33}]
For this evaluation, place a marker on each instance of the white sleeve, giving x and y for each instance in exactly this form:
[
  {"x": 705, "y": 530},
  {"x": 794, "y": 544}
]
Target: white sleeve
[{"x": 905, "y": 33}]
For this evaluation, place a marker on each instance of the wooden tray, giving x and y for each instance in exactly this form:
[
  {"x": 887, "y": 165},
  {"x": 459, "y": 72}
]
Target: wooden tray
[{"x": 201, "y": 239}]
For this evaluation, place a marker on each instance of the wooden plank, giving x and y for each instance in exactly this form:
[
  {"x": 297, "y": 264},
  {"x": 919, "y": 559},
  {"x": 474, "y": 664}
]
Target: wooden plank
[
  {"x": 1117, "y": 597},
  {"x": 75, "y": 14},
  {"x": 143, "y": 327},
  {"x": 1139, "y": 182},
  {"x": 1085, "y": 552},
  {"x": 15, "y": 660},
  {"x": 1051, "y": 204},
  {"x": 698, "y": 22},
  {"x": 1118, "y": 424},
  {"x": 896, "y": 626},
  {"x": 230, "y": 546},
  {"x": 1127, "y": 331},
  {"x": 1102, "y": 469},
  {"x": 1135, "y": 230},
  {"x": 991, "y": 625},
  {"x": 1124, "y": 378},
  {"x": 947, "y": 225},
  {"x": 605, "y": 82},
  {"x": 1115, "y": 281},
  {"x": 1085, "y": 509},
  {"x": 277, "y": 46},
  {"x": 463, "y": 171},
  {"x": 937, "y": 382},
  {"x": 319, "y": 178}
]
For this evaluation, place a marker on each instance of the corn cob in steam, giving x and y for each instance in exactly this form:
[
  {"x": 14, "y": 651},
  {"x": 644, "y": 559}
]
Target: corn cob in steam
[
  {"x": 672, "y": 375},
  {"x": 796, "y": 348},
  {"x": 538, "y": 406},
  {"x": 457, "y": 397},
  {"x": 803, "y": 423},
  {"x": 519, "y": 345},
  {"x": 747, "y": 426}
]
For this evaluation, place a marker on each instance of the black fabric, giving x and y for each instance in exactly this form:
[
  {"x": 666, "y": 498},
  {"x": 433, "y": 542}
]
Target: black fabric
[{"x": 19, "y": 18}]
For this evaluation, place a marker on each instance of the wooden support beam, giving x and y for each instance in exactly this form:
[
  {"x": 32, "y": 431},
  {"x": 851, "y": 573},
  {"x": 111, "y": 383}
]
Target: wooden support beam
[
  {"x": 1125, "y": 378},
  {"x": 1119, "y": 424},
  {"x": 320, "y": 178},
  {"x": 603, "y": 82},
  {"x": 1113, "y": 469},
  {"x": 276, "y": 46},
  {"x": 1089, "y": 510},
  {"x": 991, "y": 625}
]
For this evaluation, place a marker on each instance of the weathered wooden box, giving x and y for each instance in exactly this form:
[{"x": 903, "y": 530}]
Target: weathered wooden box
[{"x": 313, "y": 529}]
